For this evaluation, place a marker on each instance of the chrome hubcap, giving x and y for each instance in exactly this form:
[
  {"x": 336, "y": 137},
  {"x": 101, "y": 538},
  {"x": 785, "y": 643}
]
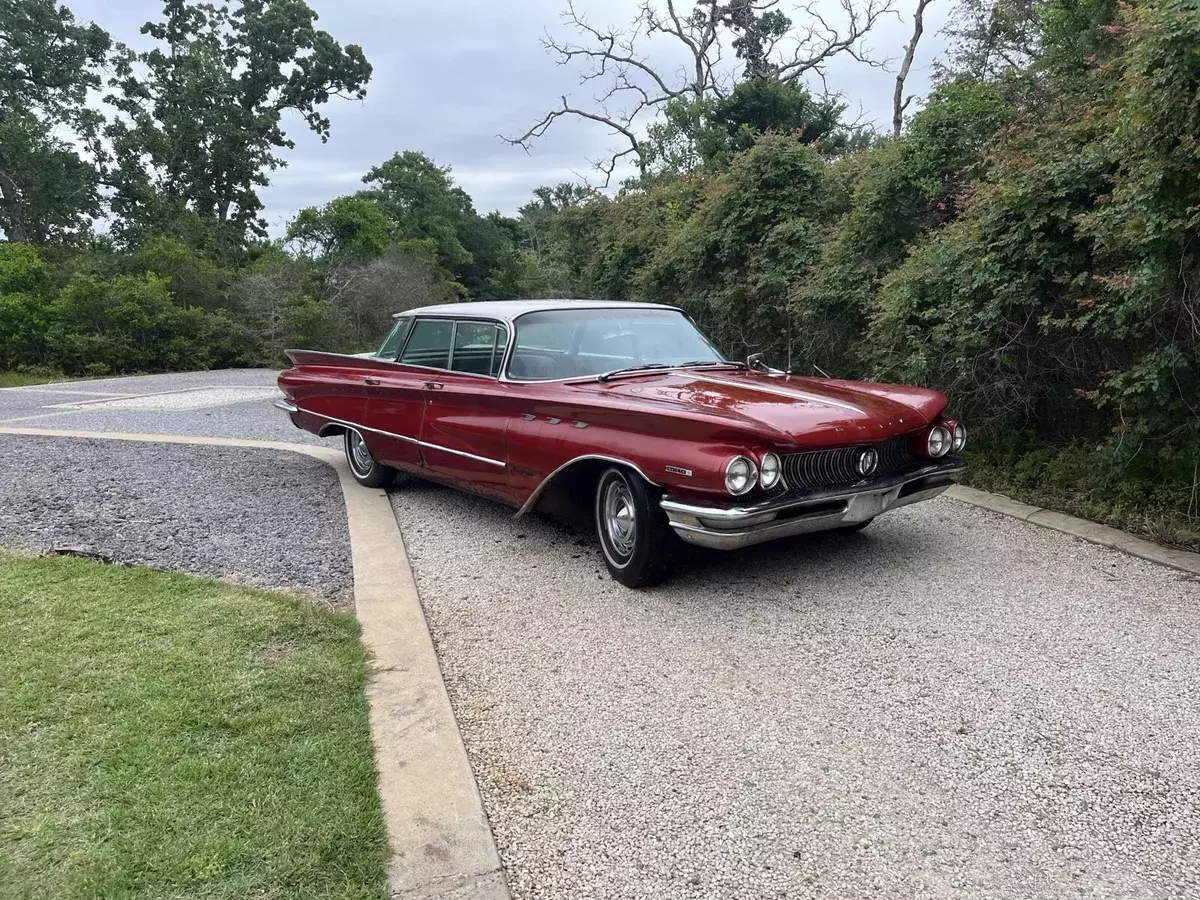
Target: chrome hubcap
[
  {"x": 620, "y": 519},
  {"x": 360, "y": 456}
]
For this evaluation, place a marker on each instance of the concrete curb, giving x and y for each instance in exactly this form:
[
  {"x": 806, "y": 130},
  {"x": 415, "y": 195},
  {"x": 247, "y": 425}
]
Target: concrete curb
[
  {"x": 1182, "y": 560},
  {"x": 441, "y": 843}
]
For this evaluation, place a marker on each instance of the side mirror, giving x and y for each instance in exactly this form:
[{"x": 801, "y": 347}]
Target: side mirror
[{"x": 755, "y": 361}]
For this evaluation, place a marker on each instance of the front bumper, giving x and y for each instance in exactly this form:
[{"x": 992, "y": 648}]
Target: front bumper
[{"x": 729, "y": 527}]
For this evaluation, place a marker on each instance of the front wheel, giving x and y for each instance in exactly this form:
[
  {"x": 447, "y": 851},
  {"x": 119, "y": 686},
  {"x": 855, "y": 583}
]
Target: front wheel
[
  {"x": 363, "y": 466},
  {"x": 634, "y": 534}
]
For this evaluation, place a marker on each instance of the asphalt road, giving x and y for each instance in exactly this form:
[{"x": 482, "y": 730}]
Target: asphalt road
[{"x": 949, "y": 704}]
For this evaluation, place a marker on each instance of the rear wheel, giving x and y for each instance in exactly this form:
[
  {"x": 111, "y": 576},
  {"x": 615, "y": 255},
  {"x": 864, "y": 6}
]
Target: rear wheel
[
  {"x": 365, "y": 469},
  {"x": 634, "y": 535}
]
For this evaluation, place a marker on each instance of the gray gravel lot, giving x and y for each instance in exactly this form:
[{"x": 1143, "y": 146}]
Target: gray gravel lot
[
  {"x": 949, "y": 704},
  {"x": 273, "y": 519}
]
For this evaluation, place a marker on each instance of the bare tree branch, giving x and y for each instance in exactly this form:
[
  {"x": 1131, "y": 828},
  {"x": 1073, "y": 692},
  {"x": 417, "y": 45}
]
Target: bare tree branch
[
  {"x": 910, "y": 51},
  {"x": 766, "y": 43},
  {"x": 820, "y": 41},
  {"x": 635, "y": 147}
]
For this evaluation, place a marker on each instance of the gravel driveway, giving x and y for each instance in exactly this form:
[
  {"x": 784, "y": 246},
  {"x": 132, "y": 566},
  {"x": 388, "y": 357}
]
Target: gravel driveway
[
  {"x": 950, "y": 704},
  {"x": 270, "y": 518}
]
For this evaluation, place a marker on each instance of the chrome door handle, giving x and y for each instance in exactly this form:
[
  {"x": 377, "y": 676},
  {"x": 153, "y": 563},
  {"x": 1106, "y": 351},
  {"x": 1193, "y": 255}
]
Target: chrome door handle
[
  {"x": 370, "y": 380},
  {"x": 434, "y": 385}
]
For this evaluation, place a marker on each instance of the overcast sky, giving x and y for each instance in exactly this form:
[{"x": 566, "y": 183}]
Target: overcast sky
[{"x": 450, "y": 76}]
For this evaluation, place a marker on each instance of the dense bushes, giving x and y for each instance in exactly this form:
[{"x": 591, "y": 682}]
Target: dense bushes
[
  {"x": 98, "y": 326},
  {"x": 1030, "y": 245}
]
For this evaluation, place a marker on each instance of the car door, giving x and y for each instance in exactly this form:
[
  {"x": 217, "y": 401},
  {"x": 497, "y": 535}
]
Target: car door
[
  {"x": 396, "y": 393},
  {"x": 466, "y": 413}
]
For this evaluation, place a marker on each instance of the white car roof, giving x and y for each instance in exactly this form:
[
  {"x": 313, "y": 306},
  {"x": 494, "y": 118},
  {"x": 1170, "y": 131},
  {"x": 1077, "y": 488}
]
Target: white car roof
[{"x": 507, "y": 310}]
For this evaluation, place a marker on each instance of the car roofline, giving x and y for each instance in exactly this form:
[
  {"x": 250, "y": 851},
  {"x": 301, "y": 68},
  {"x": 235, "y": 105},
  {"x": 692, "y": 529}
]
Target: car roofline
[{"x": 508, "y": 311}]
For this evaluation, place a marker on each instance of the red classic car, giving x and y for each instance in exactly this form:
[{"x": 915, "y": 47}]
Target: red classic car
[{"x": 627, "y": 414}]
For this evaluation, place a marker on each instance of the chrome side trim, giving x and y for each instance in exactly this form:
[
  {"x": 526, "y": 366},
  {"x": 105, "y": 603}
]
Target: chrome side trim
[
  {"x": 405, "y": 438},
  {"x": 545, "y": 482},
  {"x": 285, "y": 406},
  {"x": 482, "y": 459}
]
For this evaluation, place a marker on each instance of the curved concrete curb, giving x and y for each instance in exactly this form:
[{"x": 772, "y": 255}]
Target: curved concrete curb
[
  {"x": 441, "y": 842},
  {"x": 1182, "y": 560}
]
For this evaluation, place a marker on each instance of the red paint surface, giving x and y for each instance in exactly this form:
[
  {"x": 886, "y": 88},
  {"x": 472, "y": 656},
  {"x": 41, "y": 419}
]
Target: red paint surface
[{"x": 690, "y": 419}]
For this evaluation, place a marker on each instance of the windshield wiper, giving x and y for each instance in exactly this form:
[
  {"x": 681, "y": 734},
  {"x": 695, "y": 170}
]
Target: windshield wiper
[
  {"x": 604, "y": 376},
  {"x": 646, "y": 367}
]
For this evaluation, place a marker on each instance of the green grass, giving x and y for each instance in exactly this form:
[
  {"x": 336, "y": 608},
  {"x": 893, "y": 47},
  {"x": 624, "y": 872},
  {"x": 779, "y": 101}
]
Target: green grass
[
  {"x": 1140, "y": 491},
  {"x": 171, "y": 737},
  {"x": 32, "y": 375}
]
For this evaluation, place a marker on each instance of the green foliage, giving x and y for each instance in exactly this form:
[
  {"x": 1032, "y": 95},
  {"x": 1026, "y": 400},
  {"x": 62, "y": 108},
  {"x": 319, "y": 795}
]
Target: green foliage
[
  {"x": 346, "y": 228},
  {"x": 49, "y": 191},
  {"x": 129, "y": 323},
  {"x": 201, "y": 114},
  {"x": 23, "y": 277},
  {"x": 194, "y": 279},
  {"x": 420, "y": 201},
  {"x": 707, "y": 131}
]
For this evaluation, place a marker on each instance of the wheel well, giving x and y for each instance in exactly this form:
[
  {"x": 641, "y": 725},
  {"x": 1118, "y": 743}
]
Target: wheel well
[
  {"x": 570, "y": 492},
  {"x": 331, "y": 430}
]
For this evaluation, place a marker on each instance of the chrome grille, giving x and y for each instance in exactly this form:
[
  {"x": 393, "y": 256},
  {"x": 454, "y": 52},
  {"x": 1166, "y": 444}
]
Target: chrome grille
[{"x": 832, "y": 468}]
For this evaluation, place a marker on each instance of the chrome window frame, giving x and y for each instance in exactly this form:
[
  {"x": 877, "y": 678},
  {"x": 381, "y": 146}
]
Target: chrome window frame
[
  {"x": 454, "y": 320},
  {"x": 412, "y": 323}
]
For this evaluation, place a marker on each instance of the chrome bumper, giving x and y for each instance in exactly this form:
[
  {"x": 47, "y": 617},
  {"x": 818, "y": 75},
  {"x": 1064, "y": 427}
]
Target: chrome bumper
[
  {"x": 729, "y": 527},
  {"x": 285, "y": 406}
]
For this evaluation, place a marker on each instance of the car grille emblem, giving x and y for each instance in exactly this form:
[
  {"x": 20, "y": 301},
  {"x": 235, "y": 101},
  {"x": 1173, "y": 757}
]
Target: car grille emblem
[{"x": 868, "y": 461}]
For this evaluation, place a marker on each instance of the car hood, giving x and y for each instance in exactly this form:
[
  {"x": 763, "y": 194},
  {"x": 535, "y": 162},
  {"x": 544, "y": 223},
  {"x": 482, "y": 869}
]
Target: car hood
[{"x": 793, "y": 409}]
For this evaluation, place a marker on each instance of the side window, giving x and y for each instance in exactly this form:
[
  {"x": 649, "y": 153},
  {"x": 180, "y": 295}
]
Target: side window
[
  {"x": 429, "y": 344},
  {"x": 478, "y": 347},
  {"x": 395, "y": 339}
]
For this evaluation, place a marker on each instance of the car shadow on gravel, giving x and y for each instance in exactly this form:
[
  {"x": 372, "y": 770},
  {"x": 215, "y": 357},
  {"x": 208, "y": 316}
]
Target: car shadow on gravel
[{"x": 803, "y": 558}]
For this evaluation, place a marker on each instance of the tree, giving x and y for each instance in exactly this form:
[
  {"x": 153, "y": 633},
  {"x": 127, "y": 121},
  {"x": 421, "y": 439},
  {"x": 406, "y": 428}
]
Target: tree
[
  {"x": 200, "y": 122},
  {"x": 346, "y": 228},
  {"x": 48, "y": 63},
  {"x": 899, "y": 102},
  {"x": 708, "y": 131},
  {"x": 420, "y": 200},
  {"x": 766, "y": 43},
  {"x": 989, "y": 38}
]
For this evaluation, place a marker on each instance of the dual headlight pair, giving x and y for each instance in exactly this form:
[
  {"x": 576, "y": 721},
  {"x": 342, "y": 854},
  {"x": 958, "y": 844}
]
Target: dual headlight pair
[
  {"x": 742, "y": 474},
  {"x": 942, "y": 440}
]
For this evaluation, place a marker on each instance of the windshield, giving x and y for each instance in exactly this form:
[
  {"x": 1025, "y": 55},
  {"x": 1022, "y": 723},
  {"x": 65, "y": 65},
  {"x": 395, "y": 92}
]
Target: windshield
[{"x": 574, "y": 343}]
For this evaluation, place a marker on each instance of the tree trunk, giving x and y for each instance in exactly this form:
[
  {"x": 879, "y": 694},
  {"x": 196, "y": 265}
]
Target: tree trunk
[
  {"x": 899, "y": 104},
  {"x": 10, "y": 210}
]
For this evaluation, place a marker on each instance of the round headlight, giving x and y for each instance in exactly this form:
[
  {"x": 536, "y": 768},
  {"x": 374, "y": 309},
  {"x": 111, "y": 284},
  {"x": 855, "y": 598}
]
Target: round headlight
[
  {"x": 939, "y": 441},
  {"x": 960, "y": 437},
  {"x": 771, "y": 471},
  {"x": 740, "y": 475}
]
